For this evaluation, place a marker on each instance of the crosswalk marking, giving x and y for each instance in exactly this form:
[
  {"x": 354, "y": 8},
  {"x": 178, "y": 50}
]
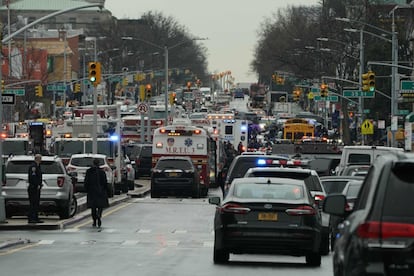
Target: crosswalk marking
[
  {"x": 71, "y": 230},
  {"x": 180, "y": 231}
]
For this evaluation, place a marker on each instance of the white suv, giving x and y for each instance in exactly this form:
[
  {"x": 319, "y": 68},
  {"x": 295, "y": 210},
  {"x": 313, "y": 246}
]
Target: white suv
[
  {"x": 314, "y": 185},
  {"x": 81, "y": 162},
  {"x": 56, "y": 195}
]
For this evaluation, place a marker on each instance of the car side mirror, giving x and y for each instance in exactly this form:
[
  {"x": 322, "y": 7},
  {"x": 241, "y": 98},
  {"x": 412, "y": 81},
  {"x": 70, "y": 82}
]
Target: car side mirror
[
  {"x": 214, "y": 200},
  {"x": 335, "y": 204}
]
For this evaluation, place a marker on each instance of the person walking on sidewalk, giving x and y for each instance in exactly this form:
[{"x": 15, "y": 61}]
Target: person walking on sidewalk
[
  {"x": 35, "y": 185},
  {"x": 97, "y": 193}
]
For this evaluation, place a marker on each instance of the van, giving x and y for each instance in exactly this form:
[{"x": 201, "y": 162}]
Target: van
[{"x": 362, "y": 155}]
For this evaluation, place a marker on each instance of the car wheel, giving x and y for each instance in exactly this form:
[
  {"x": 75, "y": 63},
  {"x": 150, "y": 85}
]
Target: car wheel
[
  {"x": 73, "y": 206},
  {"x": 131, "y": 185},
  {"x": 65, "y": 209},
  {"x": 125, "y": 187},
  {"x": 324, "y": 249},
  {"x": 313, "y": 259},
  {"x": 220, "y": 256}
]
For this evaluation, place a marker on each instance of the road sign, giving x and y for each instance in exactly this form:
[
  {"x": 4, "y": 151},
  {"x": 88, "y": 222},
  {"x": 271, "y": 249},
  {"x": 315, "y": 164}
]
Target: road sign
[
  {"x": 142, "y": 108},
  {"x": 358, "y": 93},
  {"x": 315, "y": 90},
  {"x": 8, "y": 98},
  {"x": 366, "y": 111},
  {"x": 367, "y": 127},
  {"x": 54, "y": 87},
  {"x": 403, "y": 111},
  {"x": 17, "y": 92},
  {"x": 407, "y": 85},
  {"x": 329, "y": 98}
]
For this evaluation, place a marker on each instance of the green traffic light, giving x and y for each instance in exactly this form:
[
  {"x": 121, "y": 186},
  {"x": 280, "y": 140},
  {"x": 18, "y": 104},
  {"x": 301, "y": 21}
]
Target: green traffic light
[{"x": 93, "y": 79}]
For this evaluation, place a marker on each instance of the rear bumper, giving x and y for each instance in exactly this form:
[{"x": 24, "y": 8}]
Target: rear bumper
[
  {"x": 173, "y": 184},
  {"x": 295, "y": 242}
]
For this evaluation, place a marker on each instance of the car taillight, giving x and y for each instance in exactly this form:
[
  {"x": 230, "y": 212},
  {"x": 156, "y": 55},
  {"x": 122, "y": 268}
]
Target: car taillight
[
  {"x": 319, "y": 198},
  {"x": 297, "y": 162},
  {"x": 301, "y": 211},
  {"x": 234, "y": 208},
  {"x": 376, "y": 229},
  {"x": 283, "y": 162},
  {"x": 60, "y": 181}
]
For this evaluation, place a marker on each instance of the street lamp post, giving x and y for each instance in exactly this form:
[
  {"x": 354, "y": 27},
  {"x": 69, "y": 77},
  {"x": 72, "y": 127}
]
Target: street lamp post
[{"x": 165, "y": 49}]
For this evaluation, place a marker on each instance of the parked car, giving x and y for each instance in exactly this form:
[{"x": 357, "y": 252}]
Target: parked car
[
  {"x": 81, "y": 162},
  {"x": 267, "y": 216},
  {"x": 312, "y": 182},
  {"x": 141, "y": 158},
  {"x": 127, "y": 176},
  {"x": 57, "y": 194},
  {"x": 173, "y": 175},
  {"x": 376, "y": 238}
]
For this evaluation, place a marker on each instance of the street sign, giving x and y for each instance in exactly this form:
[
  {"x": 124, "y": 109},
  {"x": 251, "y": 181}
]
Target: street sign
[
  {"x": 54, "y": 87},
  {"x": 142, "y": 108},
  {"x": 8, "y": 98},
  {"x": 403, "y": 112},
  {"x": 358, "y": 93},
  {"x": 17, "y": 92},
  {"x": 366, "y": 111},
  {"x": 367, "y": 127},
  {"x": 329, "y": 98},
  {"x": 315, "y": 90},
  {"x": 407, "y": 85}
]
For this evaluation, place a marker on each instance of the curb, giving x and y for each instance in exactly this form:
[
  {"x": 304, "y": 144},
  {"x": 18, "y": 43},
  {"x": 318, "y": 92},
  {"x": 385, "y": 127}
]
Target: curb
[{"x": 12, "y": 243}]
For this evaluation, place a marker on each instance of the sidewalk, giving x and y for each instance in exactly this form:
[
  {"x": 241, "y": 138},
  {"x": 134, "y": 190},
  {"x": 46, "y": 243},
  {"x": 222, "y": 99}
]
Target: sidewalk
[{"x": 142, "y": 188}]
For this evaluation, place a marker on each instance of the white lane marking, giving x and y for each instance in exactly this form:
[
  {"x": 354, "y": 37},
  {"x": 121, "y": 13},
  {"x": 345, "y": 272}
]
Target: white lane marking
[
  {"x": 71, "y": 230},
  {"x": 130, "y": 242},
  {"x": 180, "y": 231},
  {"x": 144, "y": 231},
  {"x": 46, "y": 242},
  {"x": 172, "y": 243}
]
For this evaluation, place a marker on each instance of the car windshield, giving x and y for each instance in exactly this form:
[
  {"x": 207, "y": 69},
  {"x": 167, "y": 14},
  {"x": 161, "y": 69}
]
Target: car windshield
[
  {"x": 85, "y": 161},
  {"x": 266, "y": 191},
  {"x": 47, "y": 167},
  {"x": 174, "y": 164}
]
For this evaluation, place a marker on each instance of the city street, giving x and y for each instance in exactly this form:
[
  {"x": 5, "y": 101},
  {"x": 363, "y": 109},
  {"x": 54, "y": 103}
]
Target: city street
[{"x": 167, "y": 236}]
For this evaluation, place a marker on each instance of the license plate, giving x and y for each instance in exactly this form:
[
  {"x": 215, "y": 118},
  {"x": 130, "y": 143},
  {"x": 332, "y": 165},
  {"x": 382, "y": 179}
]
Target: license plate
[
  {"x": 172, "y": 174},
  {"x": 268, "y": 216}
]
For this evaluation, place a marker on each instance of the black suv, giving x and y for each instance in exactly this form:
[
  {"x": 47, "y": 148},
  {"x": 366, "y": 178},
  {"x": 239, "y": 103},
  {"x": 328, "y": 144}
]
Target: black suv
[
  {"x": 377, "y": 236},
  {"x": 175, "y": 174},
  {"x": 141, "y": 157}
]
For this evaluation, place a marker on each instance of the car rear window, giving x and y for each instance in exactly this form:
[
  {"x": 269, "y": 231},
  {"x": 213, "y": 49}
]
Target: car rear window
[
  {"x": 47, "y": 167},
  {"x": 266, "y": 191},
  {"x": 334, "y": 186},
  {"x": 398, "y": 202},
  {"x": 85, "y": 162},
  {"x": 357, "y": 158},
  {"x": 174, "y": 164}
]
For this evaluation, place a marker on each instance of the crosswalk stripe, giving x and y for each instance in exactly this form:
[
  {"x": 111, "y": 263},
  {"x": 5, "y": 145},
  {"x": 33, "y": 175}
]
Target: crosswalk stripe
[
  {"x": 180, "y": 231},
  {"x": 144, "y": 231},
  {"x": 71, "y": 230},
  {"x": 130, "y": 242}
]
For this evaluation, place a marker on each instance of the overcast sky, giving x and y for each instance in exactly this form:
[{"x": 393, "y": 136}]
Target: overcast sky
[{"x": 231, "y": 26}]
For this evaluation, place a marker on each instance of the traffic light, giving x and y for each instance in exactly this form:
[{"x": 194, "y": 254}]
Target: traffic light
[
  {"x": 3, "y": 85},
  {"x": 198, "y": 82},
  {"x": 142, "y": 92},
  {"x": 148, "y": 91},
  {"x": 172, "y": 98},
  {"x": 371, "y": 79},
  {"x": 368, "y": 82},
  {"x": 296, "y": 94},
  {"x": 324, "y": 90},
  {"x": 94, "y": 72},
  {"x": 39, "y": 90},
  {"x": 125, "y": 82},
  {"x": 188, "y": 85},
  {"x": 77, "y": 87}
]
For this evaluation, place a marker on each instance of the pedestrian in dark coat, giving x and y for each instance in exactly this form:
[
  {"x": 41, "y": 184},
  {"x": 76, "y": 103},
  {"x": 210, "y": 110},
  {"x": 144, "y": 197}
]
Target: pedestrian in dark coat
[
  {"x": 35, "y": 185},
  {"x": 97, "y": 192}
]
